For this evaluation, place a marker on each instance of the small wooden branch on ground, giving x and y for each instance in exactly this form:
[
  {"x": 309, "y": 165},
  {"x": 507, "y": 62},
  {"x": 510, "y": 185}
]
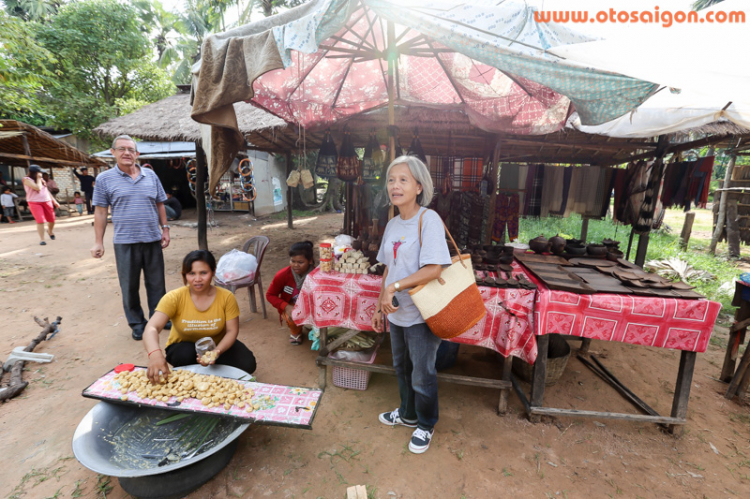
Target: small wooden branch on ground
[{"x": 17, "y": 384}]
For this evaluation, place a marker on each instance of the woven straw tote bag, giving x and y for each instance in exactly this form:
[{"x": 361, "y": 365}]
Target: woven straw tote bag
[{"x": 450, "y": 304}]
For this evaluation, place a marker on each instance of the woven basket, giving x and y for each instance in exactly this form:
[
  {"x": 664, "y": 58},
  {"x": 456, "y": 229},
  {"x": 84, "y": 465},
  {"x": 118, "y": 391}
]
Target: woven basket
[{"x": 557, "y": 358}]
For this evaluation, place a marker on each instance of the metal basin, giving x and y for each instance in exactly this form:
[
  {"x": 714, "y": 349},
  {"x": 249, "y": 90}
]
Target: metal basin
[{"x": 124, "y": 442}]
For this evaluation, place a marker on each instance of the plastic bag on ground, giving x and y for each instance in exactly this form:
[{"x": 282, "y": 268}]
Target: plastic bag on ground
[{"x": 236, "y": 266}]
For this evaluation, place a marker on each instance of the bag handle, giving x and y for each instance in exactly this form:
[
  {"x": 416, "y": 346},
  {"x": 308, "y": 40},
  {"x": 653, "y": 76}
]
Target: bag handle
[{"x": 460, "y": 259}]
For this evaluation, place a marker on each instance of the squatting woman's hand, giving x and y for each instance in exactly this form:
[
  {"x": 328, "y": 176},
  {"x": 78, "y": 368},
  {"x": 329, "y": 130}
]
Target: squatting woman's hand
[{"x": 157, "y": 367}]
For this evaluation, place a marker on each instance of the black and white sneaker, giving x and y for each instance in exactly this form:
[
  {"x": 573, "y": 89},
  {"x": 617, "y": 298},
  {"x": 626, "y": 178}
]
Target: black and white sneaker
[
  {"x": 392, "y": 419},
  {"x": 420, "y": 440}
]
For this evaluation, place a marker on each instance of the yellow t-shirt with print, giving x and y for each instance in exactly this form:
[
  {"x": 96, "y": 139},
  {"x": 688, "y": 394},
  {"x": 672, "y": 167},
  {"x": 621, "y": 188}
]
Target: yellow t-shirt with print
[{"x": 189, "y": 324}]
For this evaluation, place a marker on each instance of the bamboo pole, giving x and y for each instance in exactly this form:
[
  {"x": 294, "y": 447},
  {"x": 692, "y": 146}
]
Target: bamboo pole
[
  {"x": 722, "y": 206},
  {"x": 289, "y": 192}
]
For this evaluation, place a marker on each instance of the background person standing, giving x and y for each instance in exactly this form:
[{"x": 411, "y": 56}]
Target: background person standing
[
  {"x": 141, "y": 231},
  {"x": 41, "y": 204},
  {"x": 87, "y": 186}
]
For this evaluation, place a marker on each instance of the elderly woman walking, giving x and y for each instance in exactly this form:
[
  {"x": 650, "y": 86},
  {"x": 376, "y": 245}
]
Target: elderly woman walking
[{"x": 411, "y": 258}]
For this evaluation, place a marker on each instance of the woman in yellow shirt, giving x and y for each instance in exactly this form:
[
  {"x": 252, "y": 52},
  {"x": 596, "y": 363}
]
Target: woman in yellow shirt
[{"x": 197, "y": 310}]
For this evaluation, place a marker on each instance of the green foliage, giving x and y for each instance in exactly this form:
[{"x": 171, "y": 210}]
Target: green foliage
[
  {"x": 32, "y": 10},
  {"x": 23, "y": 70},
  {"x": 102, "y": 64}
]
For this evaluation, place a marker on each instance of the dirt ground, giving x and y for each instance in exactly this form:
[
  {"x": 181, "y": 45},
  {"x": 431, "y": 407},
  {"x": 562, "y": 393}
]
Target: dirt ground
[{"x": 475, "y": 453}]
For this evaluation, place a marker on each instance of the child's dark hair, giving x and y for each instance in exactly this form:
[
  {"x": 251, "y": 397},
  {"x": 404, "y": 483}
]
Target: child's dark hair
[
  {"x": 76, "y": 193},
  {"x": 6, "y": 189},
  {"x": 303, "y": 248},
  {"x": 197, "y": 256}
]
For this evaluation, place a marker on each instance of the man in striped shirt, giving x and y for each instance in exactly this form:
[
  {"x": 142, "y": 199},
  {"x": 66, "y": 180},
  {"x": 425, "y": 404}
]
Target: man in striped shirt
[{"x": 141, "y": 231}]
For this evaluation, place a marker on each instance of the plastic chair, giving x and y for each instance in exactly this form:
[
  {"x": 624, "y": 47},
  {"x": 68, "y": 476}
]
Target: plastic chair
[{"x": 256, "y": 246}]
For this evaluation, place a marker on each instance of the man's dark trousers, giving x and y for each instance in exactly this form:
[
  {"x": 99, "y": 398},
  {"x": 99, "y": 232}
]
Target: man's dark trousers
[{"x": 131, "y": 260}]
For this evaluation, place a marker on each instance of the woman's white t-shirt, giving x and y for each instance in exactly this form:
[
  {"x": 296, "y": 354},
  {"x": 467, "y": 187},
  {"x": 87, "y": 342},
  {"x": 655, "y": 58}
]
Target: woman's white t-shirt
[{"x": 401, "y": 253}]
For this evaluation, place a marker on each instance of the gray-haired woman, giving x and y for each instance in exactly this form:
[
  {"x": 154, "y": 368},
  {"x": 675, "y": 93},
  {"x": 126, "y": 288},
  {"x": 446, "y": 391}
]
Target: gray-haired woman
[{"x": 410, "y": 261}]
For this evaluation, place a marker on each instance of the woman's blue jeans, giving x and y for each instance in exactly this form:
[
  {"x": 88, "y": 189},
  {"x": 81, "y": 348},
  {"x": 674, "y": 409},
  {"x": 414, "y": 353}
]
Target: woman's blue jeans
[{"x": 414, "y": 351}]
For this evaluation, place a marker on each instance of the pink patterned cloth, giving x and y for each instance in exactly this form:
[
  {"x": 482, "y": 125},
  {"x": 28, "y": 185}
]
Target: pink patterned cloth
[
  {"x": 349, "y": 300},
  {"x": 286, "y": 405},
  {"x": 674, "y": 323}
]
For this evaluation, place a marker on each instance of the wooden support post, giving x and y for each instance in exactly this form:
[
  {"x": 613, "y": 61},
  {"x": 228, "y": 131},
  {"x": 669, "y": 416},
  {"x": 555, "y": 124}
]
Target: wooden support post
[
  {"x": 585, "y": 345},
  {"x": 682, "y": 389},
  {"x": 584, "y": 229},
  {"x": 289, "y": 192},
  {"x": 687, "y": 229},
  {"x": 502, "y": 406},
  {"x": 26, "y": 149},
  {"x": 640, "y": 254},
  {"x": 736, "y": 338},
  {"x": 539, "y": 377},
  {"x": 733, "y": 229},
  {"x": 201, "y": 178},
  {"x": 322, "y": 368},
  {"x": 722, "y": 206}
]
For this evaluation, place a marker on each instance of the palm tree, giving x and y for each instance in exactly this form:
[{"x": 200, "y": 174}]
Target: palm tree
[{"x": 32, "y": 10}]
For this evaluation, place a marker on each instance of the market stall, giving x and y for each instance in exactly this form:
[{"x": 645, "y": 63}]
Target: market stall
[{"x": 349, "y": 300}]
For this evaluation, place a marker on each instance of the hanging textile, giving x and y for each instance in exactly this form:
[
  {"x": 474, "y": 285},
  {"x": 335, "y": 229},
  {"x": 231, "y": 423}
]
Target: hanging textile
[
  {"x": 506, "y": 214},
  {"x": 523, "y": 172},
  {"x": 647, "y": 209},
  {"x": 551, "y": 189},
  {"x": 508, "y": 176},
  {"x": 476, "y": 218},
  {"x": 567, "y": 176},
  {"x": 609, "y": 185},
  {"x": 534, "y": 184},
  {"x": 619, "y": 186},
  {"x": 594, "y": 205}
]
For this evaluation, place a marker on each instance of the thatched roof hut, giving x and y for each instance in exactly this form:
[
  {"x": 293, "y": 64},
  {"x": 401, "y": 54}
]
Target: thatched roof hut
[
  {"x": 169, "y": 120},
  {"x": 21, "y": 143}
]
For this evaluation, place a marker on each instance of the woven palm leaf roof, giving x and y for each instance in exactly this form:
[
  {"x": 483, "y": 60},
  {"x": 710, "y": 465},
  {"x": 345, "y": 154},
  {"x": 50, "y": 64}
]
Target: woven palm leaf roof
[{"x": 46, "y": 151}]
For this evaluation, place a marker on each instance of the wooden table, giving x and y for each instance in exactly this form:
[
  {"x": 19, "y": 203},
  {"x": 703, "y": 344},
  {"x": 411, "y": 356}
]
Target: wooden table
[
  {"x": 347, "y": 300},
  {"x": 738, "y": 379},
  {"x": 673, "y": 323}
]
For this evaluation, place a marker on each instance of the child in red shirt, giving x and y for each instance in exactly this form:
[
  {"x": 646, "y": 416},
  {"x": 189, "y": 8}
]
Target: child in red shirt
[{"x": 285, "y": 287}]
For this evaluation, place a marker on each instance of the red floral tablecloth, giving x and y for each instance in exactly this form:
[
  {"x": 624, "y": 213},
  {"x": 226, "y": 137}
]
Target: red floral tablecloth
[
  {"x": 639, "y": 320},
  {"x": 349, "y": 300}
]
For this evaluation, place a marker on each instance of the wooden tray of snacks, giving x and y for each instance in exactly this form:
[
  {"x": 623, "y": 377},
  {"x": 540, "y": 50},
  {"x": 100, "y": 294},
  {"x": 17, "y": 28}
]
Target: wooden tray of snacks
[{"x": 245, "y": 401}]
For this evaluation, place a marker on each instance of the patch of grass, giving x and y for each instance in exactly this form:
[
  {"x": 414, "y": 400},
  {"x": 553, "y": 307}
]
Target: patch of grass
[
  {"x": 103, "y": 486},
  {"x": 78, "y": 491},
  {"x": 738, "y": 417},
  {"x": 506, "y": 472}
]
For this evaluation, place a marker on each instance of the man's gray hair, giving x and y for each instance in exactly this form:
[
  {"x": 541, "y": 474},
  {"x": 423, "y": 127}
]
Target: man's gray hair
[
  {"x": 421, "y": 174},
  {"x": 124, "y": 137}
]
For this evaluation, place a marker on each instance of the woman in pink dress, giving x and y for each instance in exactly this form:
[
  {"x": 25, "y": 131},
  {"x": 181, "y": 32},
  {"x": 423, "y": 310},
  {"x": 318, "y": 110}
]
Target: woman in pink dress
[{"x": 41, "y": 204}]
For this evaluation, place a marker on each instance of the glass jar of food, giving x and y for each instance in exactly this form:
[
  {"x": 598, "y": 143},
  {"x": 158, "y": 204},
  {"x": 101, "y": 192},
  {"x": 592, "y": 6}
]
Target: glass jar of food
[
  {"x": 326, "y": 253},
  {"x": 205, "y": 347},
  {"x": 326, "y": 265}
]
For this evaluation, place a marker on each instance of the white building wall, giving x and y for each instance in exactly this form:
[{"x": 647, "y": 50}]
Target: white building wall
[{"x": 269, "y": 176}]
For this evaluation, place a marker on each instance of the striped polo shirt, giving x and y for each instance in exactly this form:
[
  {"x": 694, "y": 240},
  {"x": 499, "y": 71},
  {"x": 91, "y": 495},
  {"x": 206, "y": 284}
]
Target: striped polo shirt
[{"x": 133, "y": 202}]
